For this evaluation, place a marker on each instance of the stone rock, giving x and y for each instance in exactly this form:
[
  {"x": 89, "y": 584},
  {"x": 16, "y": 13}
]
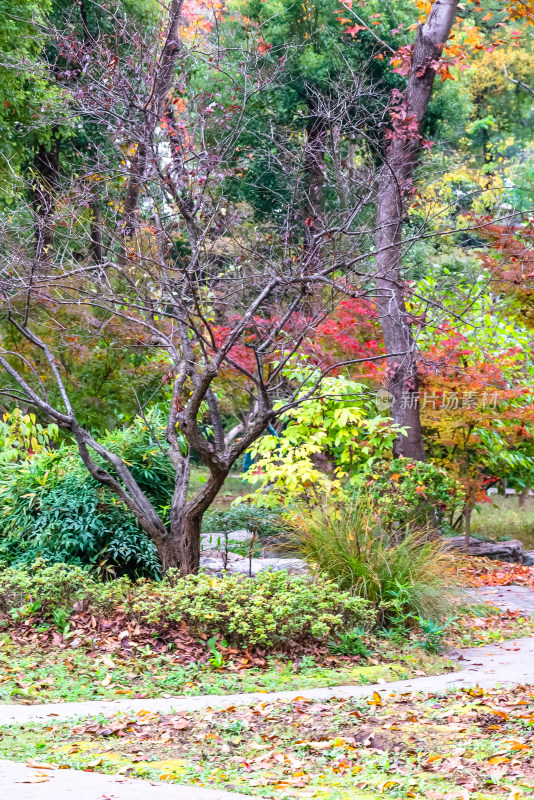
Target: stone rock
[
  {"x": 511, "y": 551},
  {"x": 214, "y": 563},
  {"x": 528, "y": 558}
]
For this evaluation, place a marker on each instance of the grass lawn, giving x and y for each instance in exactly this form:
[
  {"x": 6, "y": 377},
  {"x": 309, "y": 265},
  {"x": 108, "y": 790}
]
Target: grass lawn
[
  {"x": 468, "y": 744},
  {"x": 502, "y": 518},
  {"x": 233, "y": 487},
  {"x": 29, "y": 676}
]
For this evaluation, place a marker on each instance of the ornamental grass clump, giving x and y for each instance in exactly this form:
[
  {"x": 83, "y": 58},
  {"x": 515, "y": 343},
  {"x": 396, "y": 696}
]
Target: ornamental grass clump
[{"x": 404, "y": 573}]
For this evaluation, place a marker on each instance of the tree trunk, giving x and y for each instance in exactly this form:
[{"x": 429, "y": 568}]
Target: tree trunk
[
  {"x": 395, "y": 185},
  {"x": 314, "y": 167},
  {"x": 169, "y": 553},
  {"x": 523, "y": 495},
  {"x": 314, "y": 182},
  {"x": 183, "y": 551},
  {"x": 44, "y": 201},
  {"x": 467, "y": 522},
  {"x": 189, "y": 544},
  {"x": 97, "y": 245}
]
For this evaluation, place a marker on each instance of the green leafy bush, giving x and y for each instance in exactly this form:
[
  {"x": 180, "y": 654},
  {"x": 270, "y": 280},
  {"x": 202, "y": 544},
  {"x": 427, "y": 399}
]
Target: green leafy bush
[
  {"x": 405, "y": 576},
  {"x": 406, "y": 491},
  {"x": 270, "y": 610},
  {"x": 265, "y": 522},
  {"x": 51, "y": 507},
  {"x": 21, "y": 435},
  {"x": 49, "y": 587}
]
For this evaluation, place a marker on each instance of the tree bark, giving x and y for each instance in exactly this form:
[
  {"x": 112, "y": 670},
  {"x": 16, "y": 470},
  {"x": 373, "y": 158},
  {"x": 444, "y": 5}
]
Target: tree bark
[
  {"x": 44, "y": 200},
  {"x": 314, "y": 166},
  {"x": 395, "y": 185},
  {"x": 153, "y": 114},
  {"x": 97, "y": 244}
]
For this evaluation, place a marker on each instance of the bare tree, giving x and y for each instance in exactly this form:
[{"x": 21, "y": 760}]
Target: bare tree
[{"x": 180, "y": 264}]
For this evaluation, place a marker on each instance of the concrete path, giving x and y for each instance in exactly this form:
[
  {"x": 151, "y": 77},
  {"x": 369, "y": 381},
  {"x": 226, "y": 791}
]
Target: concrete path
[
  {"x": 508, "y": 598},
  {"x": 509, "y": 662},
  {"x": 19, "y": 782}
]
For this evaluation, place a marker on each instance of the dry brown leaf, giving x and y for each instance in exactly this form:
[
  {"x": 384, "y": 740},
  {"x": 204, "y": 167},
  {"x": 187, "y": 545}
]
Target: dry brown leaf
[{"x": 38, "y": 765}]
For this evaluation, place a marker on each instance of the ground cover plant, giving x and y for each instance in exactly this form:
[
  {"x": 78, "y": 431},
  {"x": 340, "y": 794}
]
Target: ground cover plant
[
  {"x": 272, "y": 610},
  {"x": 31, "y": 675},
  {"x": 64, "y": 635},
  {"x": 467, "y": 744}
]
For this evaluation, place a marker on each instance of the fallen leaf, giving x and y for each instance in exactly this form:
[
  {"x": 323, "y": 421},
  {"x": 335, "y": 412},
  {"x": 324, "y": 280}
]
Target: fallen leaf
[
  {"x": 377, "y": 699},
  {"x": 389, "y": 785},
  {"x": 39, "y": 765}
]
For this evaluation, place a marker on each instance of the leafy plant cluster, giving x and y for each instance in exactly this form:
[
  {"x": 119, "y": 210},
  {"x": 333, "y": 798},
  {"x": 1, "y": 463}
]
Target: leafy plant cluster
[
  {"x": 270, "y": 610},
  {"x": 407, "y": 491},
  {"x": 325, "y": 442},
  {"x": 403, "y": 576},
  {"x": 51, "y": 507},
  {"x": 21, "y": 435}
]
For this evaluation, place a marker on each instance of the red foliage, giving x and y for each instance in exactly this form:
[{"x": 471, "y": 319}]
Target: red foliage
[{"x": 352, "y": 332}]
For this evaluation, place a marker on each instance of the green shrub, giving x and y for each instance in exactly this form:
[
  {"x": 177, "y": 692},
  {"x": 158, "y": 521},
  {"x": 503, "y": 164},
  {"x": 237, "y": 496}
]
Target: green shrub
[
  {"x": 405, "y": 575},
  {"x": 270, "y": 610},
  {"x": 265, "y": 522},
  {"x": 406, "y": 491},
  {"x": 47, "y": 587},
  {"x": 50, "y": 507}
]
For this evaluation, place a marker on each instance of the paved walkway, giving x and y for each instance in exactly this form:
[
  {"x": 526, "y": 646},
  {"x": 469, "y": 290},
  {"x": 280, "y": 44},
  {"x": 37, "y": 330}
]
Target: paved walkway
[
  {"x": 510, "y": 662},
  {"x": 511, "y": 598},
  {"x": 17, "y": 782}
]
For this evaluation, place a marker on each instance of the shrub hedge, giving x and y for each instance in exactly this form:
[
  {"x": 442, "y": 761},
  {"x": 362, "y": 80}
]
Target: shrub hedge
[{"x": 270, "y": 610}]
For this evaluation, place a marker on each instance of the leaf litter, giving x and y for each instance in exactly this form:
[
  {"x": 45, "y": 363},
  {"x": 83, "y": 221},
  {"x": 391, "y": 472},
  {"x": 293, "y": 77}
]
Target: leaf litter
[{"x": 470, "y": 743}]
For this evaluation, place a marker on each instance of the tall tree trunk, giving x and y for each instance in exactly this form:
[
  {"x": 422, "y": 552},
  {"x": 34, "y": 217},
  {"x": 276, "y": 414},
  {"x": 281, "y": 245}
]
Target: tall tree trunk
[
  {"x": 46, "y": 164},
  {"x": 314, "y": 182},
  {"x": 394, "y": 189},
  {"x": 97, "y": 244},
  {"x": 314, "y": 167},
  {"x": 182, "y": 549}
]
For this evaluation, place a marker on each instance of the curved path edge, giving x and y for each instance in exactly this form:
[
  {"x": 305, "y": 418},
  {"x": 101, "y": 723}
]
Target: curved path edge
[
  {"x": 509, "y": 662},
  {"x": 18, "y": 782}
]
